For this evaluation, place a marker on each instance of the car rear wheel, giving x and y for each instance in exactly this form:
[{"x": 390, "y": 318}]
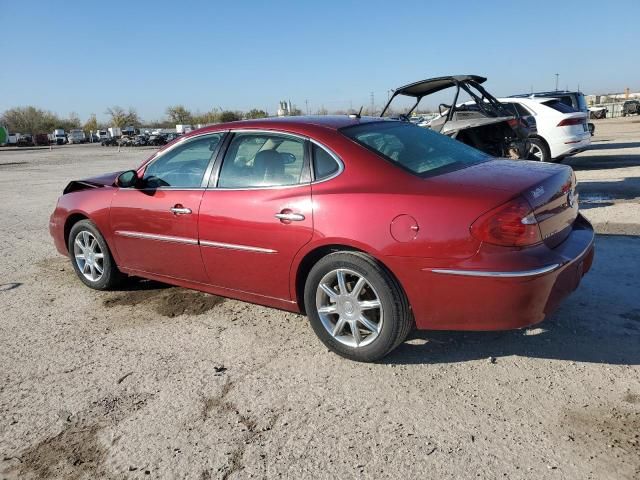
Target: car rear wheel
[
  {"x": 539, "y": 150},
  {"x": 356, "y": 307},
  {"x": 91, "y": 258}
]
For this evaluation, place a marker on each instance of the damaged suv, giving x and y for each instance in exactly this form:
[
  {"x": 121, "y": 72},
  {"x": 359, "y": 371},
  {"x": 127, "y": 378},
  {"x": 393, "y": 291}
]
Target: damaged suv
[{"x": 474, "y": 116}]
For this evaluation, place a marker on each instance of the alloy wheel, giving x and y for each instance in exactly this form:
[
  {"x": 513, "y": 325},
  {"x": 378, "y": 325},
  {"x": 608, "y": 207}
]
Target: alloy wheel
[
  {"x": 88, "y": 256},
  {"x": 349, "y": 308},
  {"x": 535, "y": 153}
]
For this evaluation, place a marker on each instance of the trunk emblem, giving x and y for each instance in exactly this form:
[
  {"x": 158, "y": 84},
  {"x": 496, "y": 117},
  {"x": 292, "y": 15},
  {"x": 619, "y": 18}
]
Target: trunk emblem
[{"x": 537, "y": 192}]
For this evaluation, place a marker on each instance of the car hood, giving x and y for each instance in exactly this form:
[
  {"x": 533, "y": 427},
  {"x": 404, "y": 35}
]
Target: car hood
[{"x": 104, "y": 180}]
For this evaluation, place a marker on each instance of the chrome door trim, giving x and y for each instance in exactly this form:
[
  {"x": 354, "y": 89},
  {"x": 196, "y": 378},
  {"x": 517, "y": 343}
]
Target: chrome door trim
[
  {"x": 481, "y": 273},
  {"x": 235, "y": 246},
  {"x": 161, "y": 238}
]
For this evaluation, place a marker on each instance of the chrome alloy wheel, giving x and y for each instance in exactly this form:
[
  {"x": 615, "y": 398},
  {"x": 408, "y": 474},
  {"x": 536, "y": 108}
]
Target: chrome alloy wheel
[
  {"x": 88, "y": 256},
  {"x": 349, "y": 308}
]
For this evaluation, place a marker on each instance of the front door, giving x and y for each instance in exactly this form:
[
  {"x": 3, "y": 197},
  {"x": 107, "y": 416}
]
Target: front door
[
  {"x": 258, "y": 215},
  {"x": 155, "y": 226}
]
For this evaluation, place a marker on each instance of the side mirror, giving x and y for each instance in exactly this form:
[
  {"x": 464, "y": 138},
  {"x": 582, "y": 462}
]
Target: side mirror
[{"x": 128, "y": 179}]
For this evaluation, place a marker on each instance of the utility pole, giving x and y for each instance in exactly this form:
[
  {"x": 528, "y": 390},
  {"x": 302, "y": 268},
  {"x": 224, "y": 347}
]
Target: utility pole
[
  {"x": 557, "y": 75},
  {"x": 372, "y": 104},
  {"x": 306, "y": 102}
]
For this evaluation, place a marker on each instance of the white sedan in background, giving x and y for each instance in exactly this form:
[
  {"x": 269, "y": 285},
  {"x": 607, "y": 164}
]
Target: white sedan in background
[{"x": 562, "y": 131}]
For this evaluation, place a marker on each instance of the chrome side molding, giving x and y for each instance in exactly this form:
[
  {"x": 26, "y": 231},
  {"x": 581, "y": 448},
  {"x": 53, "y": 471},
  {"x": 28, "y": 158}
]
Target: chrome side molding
[
  {"x": 234, "y": 246},
  {"x": 481, "y": 273},
  {"x": 193, "y": 241},
  {"x": 152, "y": 236}
]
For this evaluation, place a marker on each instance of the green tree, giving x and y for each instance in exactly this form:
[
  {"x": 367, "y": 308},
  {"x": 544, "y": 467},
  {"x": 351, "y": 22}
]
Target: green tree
[
  {"x": 29, "y": 119},
  {"x": 229, "y": 116},
  {"x": 255, "y": 113},
  {"x": 179, "y": 115},
  {"x": 91, "y": 125}
]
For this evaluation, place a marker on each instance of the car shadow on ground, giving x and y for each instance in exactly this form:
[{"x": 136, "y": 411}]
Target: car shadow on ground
[
  {"x": 600, "y": 162},
  {"x": 602, "y": 194},
  {"x": 552, "y": 339},
  {"x": 613, "y": 146},
  {"x": 599, "y": 323}
]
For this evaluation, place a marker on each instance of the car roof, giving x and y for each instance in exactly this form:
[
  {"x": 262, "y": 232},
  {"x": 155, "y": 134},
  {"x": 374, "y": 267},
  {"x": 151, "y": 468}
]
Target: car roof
[
  {"x": 433, "y": 85},
  {"x": 332, "y": 122}
]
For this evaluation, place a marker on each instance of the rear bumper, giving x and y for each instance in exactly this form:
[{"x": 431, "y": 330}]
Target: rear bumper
[
  {"x": 500, "y": 298},
  {"x": 568, "y": 146}
]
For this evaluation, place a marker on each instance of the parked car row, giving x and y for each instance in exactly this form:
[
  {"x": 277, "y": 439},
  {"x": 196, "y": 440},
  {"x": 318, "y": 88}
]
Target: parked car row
[{"x": 140, "y": 140}]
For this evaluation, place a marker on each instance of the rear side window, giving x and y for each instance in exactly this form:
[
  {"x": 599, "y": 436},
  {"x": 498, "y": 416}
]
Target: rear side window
[
  {"x": 559, "y": 106},
  {"x": 419, "y": 150},
  {"x": 262, "y": 160},
  {"x": 324, "y": 165}
]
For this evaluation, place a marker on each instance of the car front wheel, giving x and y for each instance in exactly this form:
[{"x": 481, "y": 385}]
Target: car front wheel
[
  {"x": 357, "y": 309},
  {"x": 91, "y": 258}
]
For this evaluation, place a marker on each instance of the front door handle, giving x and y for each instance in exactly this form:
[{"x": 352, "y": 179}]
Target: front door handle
[
  {"x": 290, "y": 217},
  {"x": 180, "y": 210}
]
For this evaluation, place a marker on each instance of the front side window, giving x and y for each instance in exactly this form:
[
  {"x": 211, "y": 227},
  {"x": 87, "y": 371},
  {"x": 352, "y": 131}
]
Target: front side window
[
  {"x": 419, "y": 150},
  {"x": 262, "y": 160},
  {"x": 184, "y": 165}
]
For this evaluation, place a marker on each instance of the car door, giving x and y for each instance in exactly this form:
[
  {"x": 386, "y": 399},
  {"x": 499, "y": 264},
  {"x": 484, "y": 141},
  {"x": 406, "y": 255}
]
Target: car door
[
  {"x": 257, "y": 214},
  {"x": 155, "y": 226}
]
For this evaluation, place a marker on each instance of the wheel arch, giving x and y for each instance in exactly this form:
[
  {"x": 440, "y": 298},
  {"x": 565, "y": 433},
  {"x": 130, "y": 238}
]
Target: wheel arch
[
  {"x": 539, "y": 137},
  {"x": 70, "y": 221},
  {"x": 314, "y": 255}
]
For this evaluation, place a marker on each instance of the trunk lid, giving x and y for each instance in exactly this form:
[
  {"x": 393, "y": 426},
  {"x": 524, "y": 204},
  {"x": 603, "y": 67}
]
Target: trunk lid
[{"x": 549, "y": 188}]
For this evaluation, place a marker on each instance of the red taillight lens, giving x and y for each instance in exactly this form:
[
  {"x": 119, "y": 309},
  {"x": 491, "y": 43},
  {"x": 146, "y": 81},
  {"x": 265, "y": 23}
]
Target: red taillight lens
[
  {"x": 571, "y": 121},
  {"x": 512, "y": 224}
]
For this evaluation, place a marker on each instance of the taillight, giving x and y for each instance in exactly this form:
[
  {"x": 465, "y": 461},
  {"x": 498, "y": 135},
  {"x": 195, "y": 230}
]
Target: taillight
[
  {"x": 571, "y": 121},
  {"x": 512, "y": 224}
]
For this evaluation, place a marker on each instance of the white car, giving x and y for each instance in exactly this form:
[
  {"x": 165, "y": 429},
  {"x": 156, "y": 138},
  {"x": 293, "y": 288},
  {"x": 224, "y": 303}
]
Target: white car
[{"x": 562, "y": 131}]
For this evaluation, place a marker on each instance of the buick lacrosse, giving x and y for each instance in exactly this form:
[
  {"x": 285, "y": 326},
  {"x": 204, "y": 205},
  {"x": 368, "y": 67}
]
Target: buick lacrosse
[{"x": 370, "y": 227}]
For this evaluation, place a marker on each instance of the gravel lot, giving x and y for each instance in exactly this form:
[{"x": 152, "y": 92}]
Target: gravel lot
[{"x": 160, "y": 382}]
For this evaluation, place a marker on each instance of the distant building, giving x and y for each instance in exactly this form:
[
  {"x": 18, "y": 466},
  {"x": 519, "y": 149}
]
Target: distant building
[{"x": 285, "y": 108}]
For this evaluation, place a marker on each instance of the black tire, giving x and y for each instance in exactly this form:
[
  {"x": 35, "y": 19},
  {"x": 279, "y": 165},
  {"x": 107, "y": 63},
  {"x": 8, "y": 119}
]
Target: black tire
[
  {"x": 394, "y": 307},
  {"x": 541, "y": 146},
  {"x": 110, "y": 276}
]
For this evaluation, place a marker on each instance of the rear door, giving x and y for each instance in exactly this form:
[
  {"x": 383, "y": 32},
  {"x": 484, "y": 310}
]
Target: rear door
[
  {"x": 257, "y": 214},
  {"x": 155, "y": 226}
]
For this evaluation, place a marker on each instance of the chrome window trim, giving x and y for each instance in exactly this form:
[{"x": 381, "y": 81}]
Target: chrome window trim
[
  {"x": 480, "y": 273},
  {"x": 235, "y": 246},
  {"x": 266, "y": 187},
  {"x": 335, "y": 156},
  {"x": 161, "y": 238}
]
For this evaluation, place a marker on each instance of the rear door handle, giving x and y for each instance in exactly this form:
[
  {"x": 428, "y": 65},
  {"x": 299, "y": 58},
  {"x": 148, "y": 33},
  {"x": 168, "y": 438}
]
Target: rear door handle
[
  {"x": 290, "y": 217},
  {"x": 180, "y": 210}
]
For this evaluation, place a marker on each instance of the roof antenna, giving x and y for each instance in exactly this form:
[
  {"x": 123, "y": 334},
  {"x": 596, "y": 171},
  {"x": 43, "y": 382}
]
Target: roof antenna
[{"x": 356, "y": 115}]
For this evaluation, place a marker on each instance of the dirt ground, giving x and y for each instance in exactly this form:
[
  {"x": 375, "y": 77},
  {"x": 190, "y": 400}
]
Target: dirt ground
[{"x": 160, "y": 382}]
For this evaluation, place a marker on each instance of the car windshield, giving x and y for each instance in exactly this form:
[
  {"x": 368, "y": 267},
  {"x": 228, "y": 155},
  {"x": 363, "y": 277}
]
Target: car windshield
[
  {"x": 417, "y": 149},
  {"x": 559, "y": 106}
]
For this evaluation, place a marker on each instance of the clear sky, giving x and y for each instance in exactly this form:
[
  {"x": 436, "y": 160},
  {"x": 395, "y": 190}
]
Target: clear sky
[{"x": 85, "y": 56}]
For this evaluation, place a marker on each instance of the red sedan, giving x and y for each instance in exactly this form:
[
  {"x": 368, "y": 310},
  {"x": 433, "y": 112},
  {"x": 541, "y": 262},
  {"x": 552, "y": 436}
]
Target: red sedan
[{"x": 369, "y": 226}]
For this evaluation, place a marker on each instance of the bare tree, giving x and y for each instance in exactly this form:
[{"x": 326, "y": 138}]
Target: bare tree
[{"x": 118, "y": 116}]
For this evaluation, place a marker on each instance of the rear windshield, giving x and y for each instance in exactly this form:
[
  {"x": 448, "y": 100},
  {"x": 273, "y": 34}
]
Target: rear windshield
[
  {"x": 417, "y": 149},
  {"x": 559, "y": 106}
]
